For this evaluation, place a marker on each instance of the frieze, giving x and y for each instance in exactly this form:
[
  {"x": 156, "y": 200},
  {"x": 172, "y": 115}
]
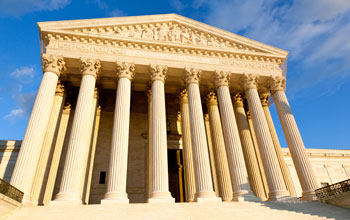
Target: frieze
[
  {"x": 167, "y": 32},
  {"x": 245, "y": 62}
]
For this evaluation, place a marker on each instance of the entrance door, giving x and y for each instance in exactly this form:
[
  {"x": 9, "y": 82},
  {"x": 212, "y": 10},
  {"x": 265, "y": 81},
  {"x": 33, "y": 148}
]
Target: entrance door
[{"x": 176, "y": 183}]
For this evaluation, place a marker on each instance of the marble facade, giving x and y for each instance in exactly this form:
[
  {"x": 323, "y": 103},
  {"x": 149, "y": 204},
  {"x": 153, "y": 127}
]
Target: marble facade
[{"x": 118, "y": 93}]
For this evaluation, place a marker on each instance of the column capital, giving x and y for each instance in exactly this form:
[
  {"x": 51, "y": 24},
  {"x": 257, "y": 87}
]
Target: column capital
[
  {"x": 96, "y": 93},
  {"x": 192, "y": 75},
  {"x": 59, "y": 89},
  {"x": 149, "y": 95},
  {"x": 183, "y": 97},
  {"x": 99, "y": 110},
  {"x": 52, "y": 63},
  {"x": 125, "y": 70},
  {"x": 249, "y": 81},
  {"x": 249, "y": 116},
  {"x": 237, "y": 100},
  {"x": 264, "y": 98},
  {"x": 206, "y": 117},
  {"x": 90, "y": 66},
  {"x": 211, "y": 98},
  {"x": 277, "y": 83},
  {"x": 222, "y": 78},
  {"x": 158, "y": 72},
  {"x": 67, "y": 107}
]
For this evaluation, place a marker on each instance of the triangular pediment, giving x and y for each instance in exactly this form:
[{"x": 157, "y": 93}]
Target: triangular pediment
[{"x": 169, "y": 29}]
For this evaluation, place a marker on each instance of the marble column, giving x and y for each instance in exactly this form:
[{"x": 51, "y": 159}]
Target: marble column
[
  {"x": 239, "y": 175},
  {"x": 149, "y": 170},
  {"x": 83, "y": 187},
  {"x": 187, "y": 147},
  {"x": 73, "y": 172},
  {"x": 116, "y": 184},
  {"x": 41, "y": 174},
  {"x": 204, "y": 183},
  {"x": 295, "y": 143},
  {"x": 28, "y": 157},
  {"x": 223, "y": 171},
  {"x": 211, "y": 155},
  {"x": 92, "y": 155},
  {"x": 277, "y": 188},
  {"x": 159, "y": 149},
  {"x": 264, "y": 98},
  {"x": 257, "y": 153},
  {"x": 250, "y": 158},
  {"x": 61, "y": 134}
]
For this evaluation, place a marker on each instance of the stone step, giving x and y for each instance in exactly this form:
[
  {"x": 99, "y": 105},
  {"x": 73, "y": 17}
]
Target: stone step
[{"x": 222, "y": 211}]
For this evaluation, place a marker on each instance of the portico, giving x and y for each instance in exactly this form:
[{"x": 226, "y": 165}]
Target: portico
[{"x": 109, "y": 141}]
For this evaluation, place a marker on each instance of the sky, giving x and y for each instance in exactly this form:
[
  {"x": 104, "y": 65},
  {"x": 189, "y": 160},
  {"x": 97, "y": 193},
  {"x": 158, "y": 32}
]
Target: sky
[{"x": 315, "y": 32}]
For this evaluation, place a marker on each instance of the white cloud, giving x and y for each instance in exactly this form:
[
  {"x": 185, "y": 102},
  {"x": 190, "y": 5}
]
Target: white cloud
[
  {"x": 25, "y": 104},
  {"x": 116, "y": 13},
  {"x": 24, "y": 71},
  {"x": 17, "y": 8},
  {"x": 316, "y": 32}
]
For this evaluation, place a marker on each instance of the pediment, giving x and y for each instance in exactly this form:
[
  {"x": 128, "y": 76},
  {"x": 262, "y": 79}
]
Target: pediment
[{"x": 169, "y": 31}]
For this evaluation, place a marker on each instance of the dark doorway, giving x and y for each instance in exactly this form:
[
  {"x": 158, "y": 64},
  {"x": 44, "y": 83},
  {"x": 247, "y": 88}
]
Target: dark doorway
[{"x": 176, "y": 176}]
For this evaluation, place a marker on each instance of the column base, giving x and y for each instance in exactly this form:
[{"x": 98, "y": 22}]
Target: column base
[
  {"x": 207, "y": 197},
  {"x": 115, "y": 198},
  {"x": 161, "y": 197},
  {"x": 67, "y": 198},
  {"x": 309, "y": 195},
  {"x": 278, "y": 196}
]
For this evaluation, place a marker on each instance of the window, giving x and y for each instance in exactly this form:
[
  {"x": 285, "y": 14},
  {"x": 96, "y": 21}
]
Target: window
[{"x": 102, "y": 177}]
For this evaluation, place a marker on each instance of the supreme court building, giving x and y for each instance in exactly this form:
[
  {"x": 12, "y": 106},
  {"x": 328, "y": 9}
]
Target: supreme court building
[{"x": 158, "y": 109}]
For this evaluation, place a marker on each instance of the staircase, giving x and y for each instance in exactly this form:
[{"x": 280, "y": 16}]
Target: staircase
[{"x": 293, "y": 210}]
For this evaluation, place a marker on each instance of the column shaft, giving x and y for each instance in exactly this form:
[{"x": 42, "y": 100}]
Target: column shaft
[
  {"x": 258, "y": 154},
  {"x": 219, "y": 148},
  {"x": 204, "y": 185},
  {"x": 116, "y": 185},
  {"x": 248, "y": 149},
  {"x": 159, "y": 161},
  {"x": 285, "y": 172},
  {"x": 296, "y": 146},
  {"x": 96, "y": 112},
  {"x": 187, "y": 148},
  {"x": 28, "y": 157},
  {"x": 211, "y": 155},
  {"x": 90, "y": 136},
  {"x": 73, "y": 172},
  {"x": 239, "y": 175},
  {"x": 41, "y": 174},
  {"x": 274, "y": 176},
  {"x": 61, "y": 134}
]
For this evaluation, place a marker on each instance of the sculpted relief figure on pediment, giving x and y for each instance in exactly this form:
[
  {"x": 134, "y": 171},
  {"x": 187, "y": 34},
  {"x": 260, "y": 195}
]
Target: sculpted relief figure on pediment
[{"x": 167, "y": 32}]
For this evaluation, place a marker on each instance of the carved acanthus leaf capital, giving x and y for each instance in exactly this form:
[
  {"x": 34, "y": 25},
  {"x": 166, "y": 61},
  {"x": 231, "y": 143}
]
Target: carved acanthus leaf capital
[
  {"x": 67, "y": 107},
  {"x": 149, "y": 95},
  {"x": 192, "y": 75},
  {"x": 60, "y": 89},
  {"x": 264, "y": 98},
  {"x": 237, "y": 100},
  {"x": 52, "y": 63},
  {"x": 98, "y": 110},
  {"x": 125, "y": 70},
  {"x": 96, "y": 93},
  {"x": 249, "y": 81},
  {"x": 211, "y": 98},
  {"x": 222, "y": 78},
  {"x": 90, "y": 66},
  {"x": 277, "y": 83},
  {"x": 183, "y": 96},
  {"x": 158, "y": 72}
]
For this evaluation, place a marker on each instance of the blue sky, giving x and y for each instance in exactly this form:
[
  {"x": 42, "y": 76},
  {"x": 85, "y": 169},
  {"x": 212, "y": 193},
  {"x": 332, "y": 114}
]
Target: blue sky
[{"x": 315, "y": 32}]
